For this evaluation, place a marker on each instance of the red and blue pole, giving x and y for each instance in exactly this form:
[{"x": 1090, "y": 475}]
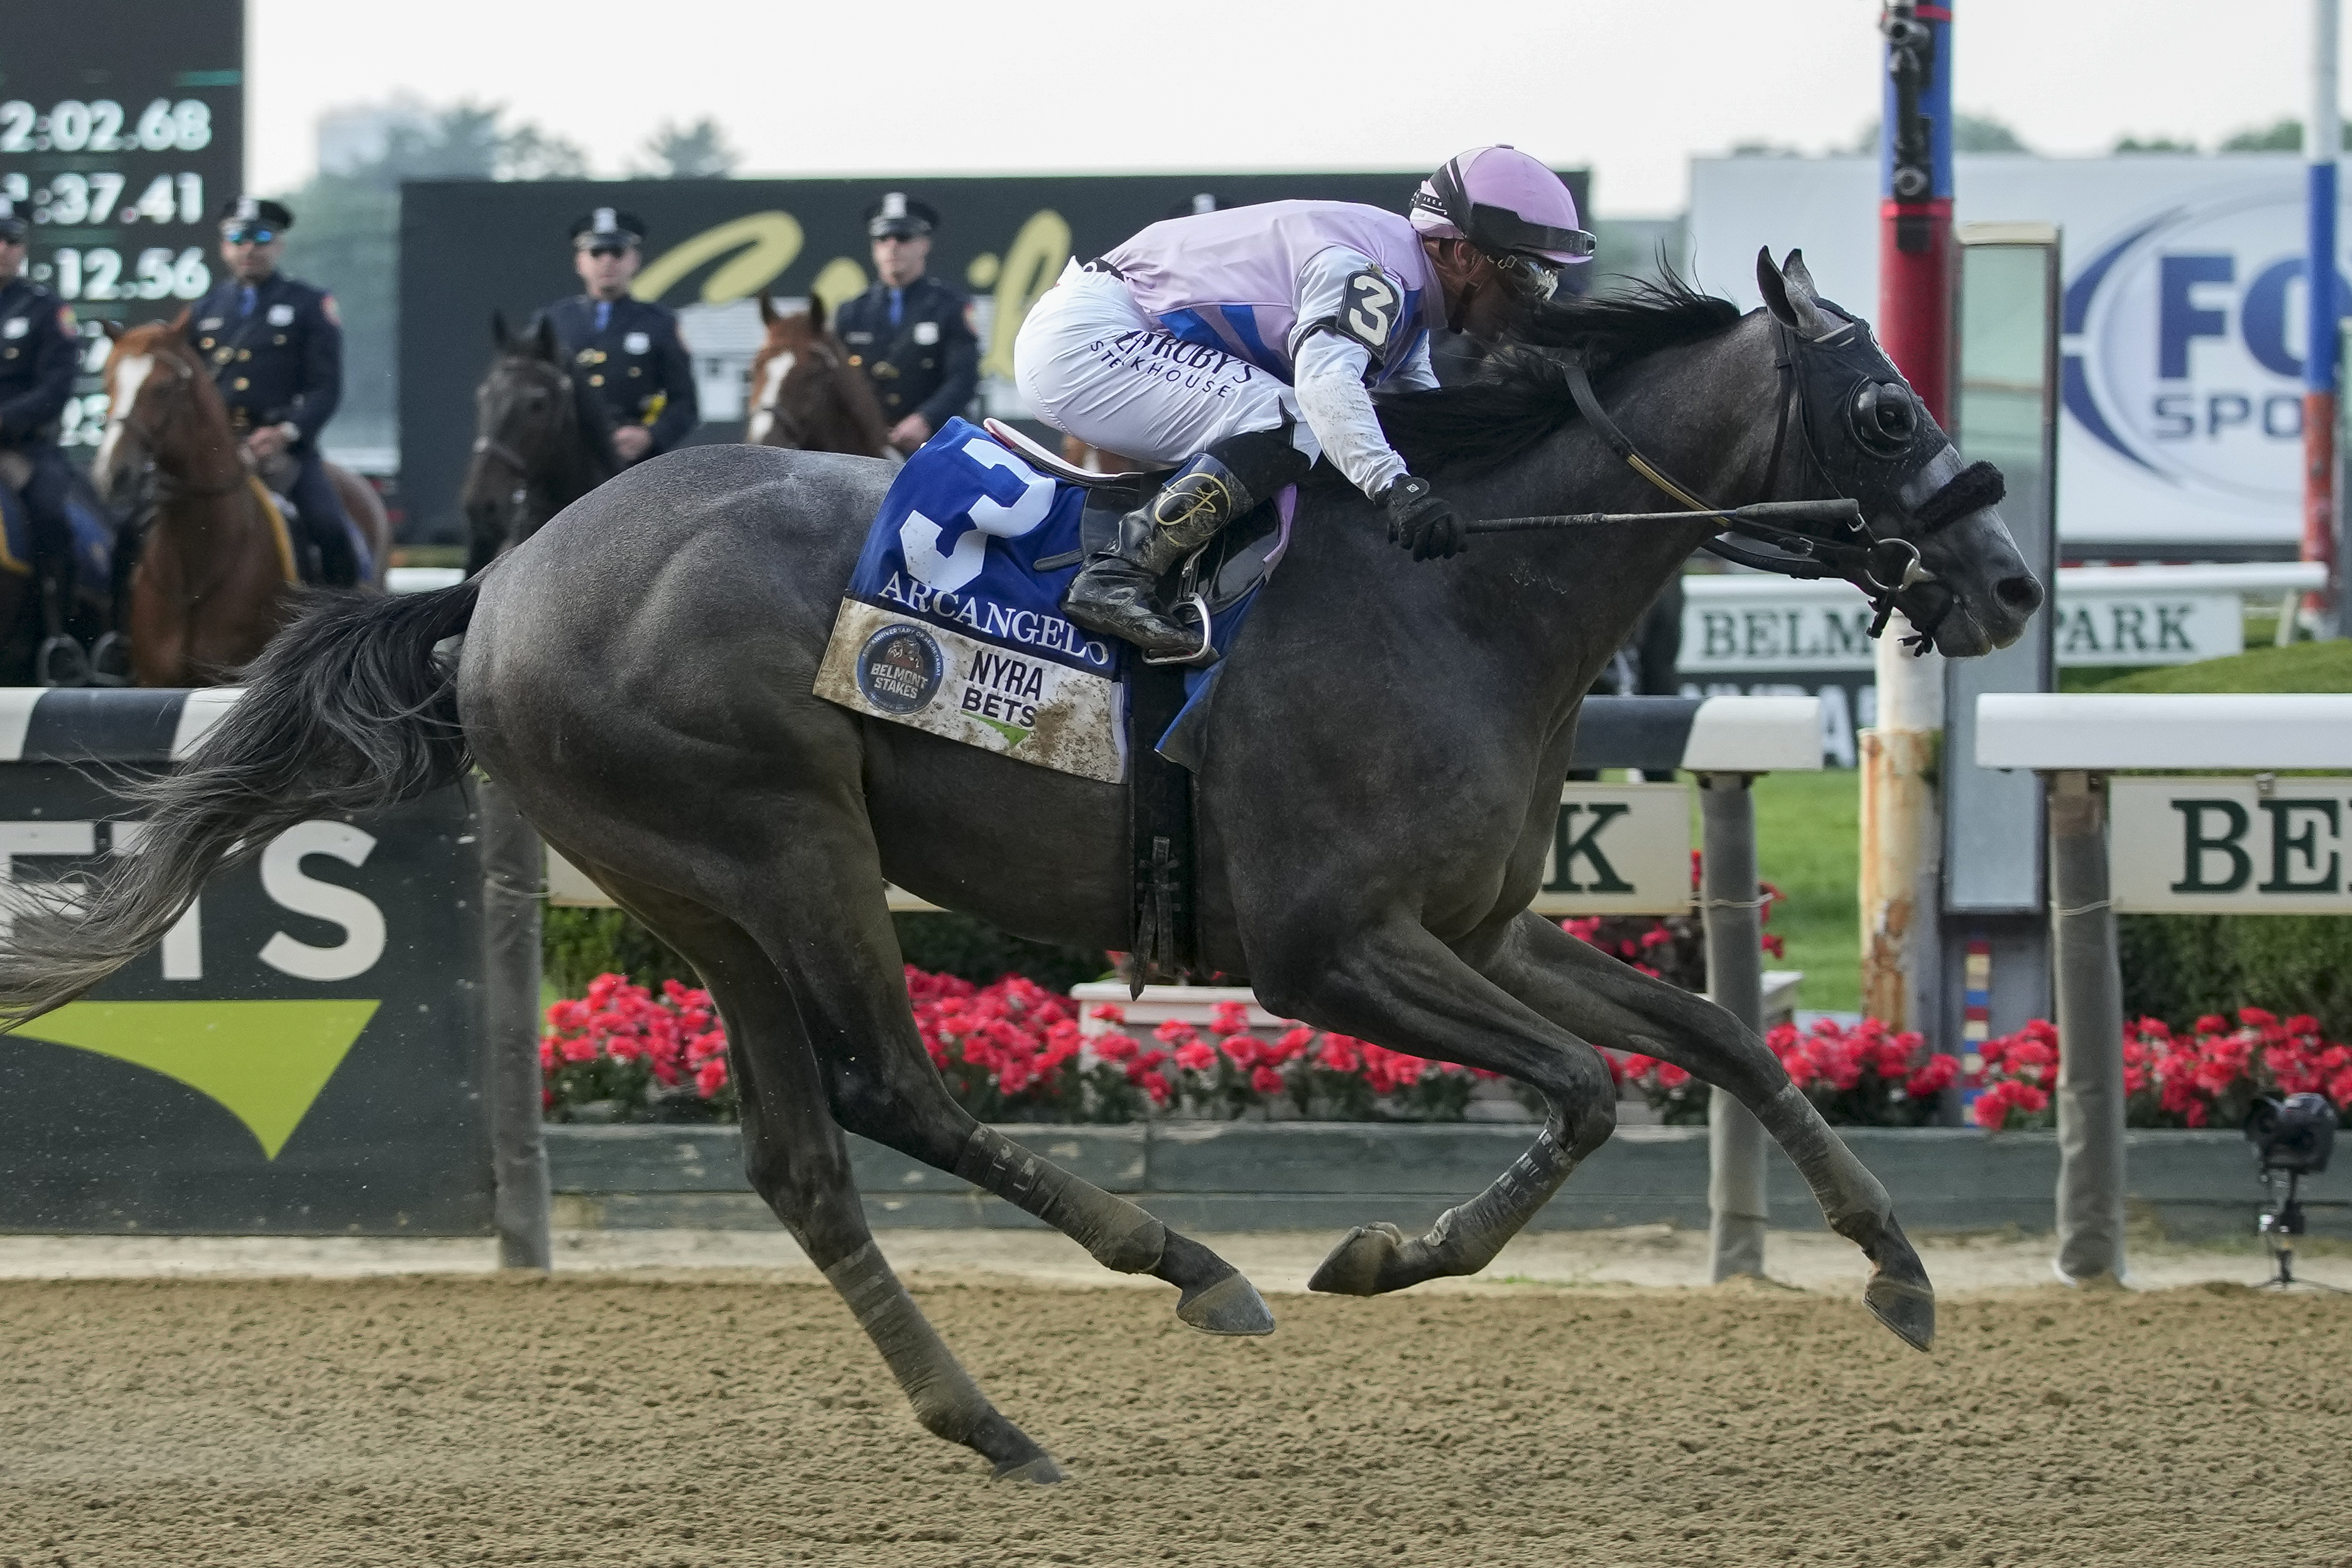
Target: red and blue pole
[
  {"x": 1917, "y": 263},
  {"x": 2322, "y": 138}
]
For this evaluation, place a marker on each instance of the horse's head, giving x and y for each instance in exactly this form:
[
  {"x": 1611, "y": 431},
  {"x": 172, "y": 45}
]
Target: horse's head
[
  {"x": 805, "y": 392},
  {"x": 527, "y": 425},
  {"x": 1870, "y": 437},
  {"x": 163, "y": 411}
]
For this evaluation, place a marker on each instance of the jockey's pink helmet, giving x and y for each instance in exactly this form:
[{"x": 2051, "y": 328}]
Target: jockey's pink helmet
[{"x": 1505, "y": 202}]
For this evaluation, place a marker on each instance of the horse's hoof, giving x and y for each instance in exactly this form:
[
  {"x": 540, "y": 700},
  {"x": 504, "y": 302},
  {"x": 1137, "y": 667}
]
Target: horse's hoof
[
  {"x": 1040, "y": 1471},
  {"x": 1898, "y": 1294},
  {"x": 1357, "y": 1266},
  {"x": 1909, "y": 1310},
  {"x": 1231, "y": 1306}
]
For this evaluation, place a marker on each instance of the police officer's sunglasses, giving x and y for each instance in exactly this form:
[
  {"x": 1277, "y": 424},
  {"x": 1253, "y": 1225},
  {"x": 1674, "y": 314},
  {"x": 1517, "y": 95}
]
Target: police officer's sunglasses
[
  {"x": 249, "y": 234},
  {"x": 602, "y": 250}
]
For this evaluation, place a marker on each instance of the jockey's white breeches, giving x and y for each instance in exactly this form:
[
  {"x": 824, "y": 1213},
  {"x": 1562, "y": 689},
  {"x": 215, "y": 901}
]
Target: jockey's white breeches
[{"x": 1091, "y": 364}]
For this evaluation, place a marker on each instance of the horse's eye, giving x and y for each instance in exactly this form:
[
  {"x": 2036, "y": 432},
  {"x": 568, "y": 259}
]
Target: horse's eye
[{"x": 1885, "y": 417}]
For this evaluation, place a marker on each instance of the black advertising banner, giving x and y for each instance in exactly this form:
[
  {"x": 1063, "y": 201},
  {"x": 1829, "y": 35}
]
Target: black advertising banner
[
  {"x": 122, "y": 132},
  {"x": 470, "y": 247},
  {"x": 302, "y": 1054}
]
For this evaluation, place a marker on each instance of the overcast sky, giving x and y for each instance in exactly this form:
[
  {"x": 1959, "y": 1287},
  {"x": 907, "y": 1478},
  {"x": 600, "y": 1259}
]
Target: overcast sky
[{"x": 1633, "y": 88}]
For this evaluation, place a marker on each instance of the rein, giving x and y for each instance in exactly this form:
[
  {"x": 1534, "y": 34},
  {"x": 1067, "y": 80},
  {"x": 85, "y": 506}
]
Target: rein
[{"x": 1809, "y": 540}]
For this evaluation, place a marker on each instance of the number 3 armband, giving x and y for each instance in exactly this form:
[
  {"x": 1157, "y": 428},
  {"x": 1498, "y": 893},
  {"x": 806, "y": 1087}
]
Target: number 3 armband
[{"x": 1369, "y": 306}]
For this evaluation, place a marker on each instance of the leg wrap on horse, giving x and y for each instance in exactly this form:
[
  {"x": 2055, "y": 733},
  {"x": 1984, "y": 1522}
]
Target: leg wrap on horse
[
  {"x": 1850, "y": 1196},
  {"x": 1375, "y": 1259},
  {"x": 946, "y": 1400},
  {"x": 1465, "y": 1238},
  {"x": 1122, "y": 1236}
]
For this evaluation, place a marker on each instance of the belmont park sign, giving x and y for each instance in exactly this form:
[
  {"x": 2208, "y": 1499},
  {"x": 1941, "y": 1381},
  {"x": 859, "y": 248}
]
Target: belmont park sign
[{"x": 2182, "y": 319}]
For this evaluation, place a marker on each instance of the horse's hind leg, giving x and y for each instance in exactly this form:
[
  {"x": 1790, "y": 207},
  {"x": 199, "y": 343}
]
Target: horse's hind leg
[
  {"x": 845, "y": 972},
  {"x": 1614, "y": 1004},
  {"x": 794, "y": 1154}
]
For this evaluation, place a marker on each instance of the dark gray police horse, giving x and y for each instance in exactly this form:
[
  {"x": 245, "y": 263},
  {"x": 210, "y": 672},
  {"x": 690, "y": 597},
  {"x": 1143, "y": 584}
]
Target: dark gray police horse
[{"x": 1383, "y": 772}]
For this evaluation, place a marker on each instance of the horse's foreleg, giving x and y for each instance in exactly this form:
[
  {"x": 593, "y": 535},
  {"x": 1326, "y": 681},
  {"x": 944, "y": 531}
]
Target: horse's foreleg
[
  {"x": 1401, "y": 987},
  {"x": 797, "y": 1163},
  {"x": 1616, "y": 1005}
]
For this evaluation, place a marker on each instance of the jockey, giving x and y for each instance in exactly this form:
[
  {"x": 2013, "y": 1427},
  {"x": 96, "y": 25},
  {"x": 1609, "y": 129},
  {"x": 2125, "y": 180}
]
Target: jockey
[{"x": 1248, "y": 342}]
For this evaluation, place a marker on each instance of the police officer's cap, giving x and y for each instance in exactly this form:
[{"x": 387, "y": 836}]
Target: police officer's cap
[
  {"x": 900, "y": 213},
  {"x": 258, "y": 211},
  {"x": 608, "y": 226},
  {"x": 12, "y": 225}
]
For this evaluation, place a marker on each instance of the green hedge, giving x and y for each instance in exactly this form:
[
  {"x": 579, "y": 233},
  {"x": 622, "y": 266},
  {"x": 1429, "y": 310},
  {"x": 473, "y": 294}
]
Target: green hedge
[
  {"x": 2177, "y": 967},
  {"x": 580, "y": 944}
]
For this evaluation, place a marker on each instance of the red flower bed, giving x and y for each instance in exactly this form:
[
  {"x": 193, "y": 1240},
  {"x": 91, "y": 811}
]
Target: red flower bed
[
  {"x": 2205, "y": 1075},
  {"x": 622, "y": 1054},
  {"x": 1859, "y": 1074},
  {"x": 1229, "y": 1072}
]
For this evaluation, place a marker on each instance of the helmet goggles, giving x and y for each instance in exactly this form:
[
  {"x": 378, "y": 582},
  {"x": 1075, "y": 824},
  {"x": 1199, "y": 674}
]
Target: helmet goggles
[{"x": 1528, "y": 254}]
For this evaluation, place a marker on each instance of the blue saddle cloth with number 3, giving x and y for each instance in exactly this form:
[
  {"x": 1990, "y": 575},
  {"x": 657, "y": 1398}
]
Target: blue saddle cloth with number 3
[{"x": 950, "y": 624}]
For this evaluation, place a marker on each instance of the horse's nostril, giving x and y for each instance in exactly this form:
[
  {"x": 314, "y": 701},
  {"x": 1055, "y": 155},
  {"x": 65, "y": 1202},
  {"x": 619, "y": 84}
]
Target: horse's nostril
[{"x": 2021, "y": 594}]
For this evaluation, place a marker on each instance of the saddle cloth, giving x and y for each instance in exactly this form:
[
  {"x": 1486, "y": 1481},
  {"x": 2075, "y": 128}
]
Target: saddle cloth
[{"x": 952, "y": 624}]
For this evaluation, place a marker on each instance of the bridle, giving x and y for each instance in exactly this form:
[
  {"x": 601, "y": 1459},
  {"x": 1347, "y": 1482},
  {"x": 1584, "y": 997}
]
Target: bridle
[
  {"x": 501, "y": 452},
  {"x": 780, "y": 423},
  {"x": 164, "y": 485},
  {"x": 1834, "y": 539}
]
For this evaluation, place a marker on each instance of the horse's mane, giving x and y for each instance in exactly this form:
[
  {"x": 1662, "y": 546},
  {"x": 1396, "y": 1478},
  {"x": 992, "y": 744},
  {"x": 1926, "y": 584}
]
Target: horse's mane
[{"x": 1519, "y": 393}]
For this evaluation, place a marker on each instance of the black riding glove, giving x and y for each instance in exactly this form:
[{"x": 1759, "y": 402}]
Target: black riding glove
[{"x": 1421, "y": 521}]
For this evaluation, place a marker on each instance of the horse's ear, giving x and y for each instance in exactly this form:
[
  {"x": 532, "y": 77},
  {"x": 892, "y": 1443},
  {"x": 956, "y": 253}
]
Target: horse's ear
[
  {"x": 1787, "y": 294},
  {"x": 113, "y": 330},
  {"x": 544, "y": 341},
  {"x": 500, "y": 336},
  {"x": 1799, "y": 278},
  {"x": 816, "y": 312},
  {"x": 1775, "y": 291},
  {"x": 767, "y": 310},
  {"x": 179, "y": 322}
]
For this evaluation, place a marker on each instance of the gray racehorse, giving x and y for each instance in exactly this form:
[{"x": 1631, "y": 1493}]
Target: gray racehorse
[{"x": 1383, "y": 768}]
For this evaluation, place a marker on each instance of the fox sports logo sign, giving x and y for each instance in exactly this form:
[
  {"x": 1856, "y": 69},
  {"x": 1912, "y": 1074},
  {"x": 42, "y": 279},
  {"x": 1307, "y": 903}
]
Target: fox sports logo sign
[{"x": 2185, "y": 340}]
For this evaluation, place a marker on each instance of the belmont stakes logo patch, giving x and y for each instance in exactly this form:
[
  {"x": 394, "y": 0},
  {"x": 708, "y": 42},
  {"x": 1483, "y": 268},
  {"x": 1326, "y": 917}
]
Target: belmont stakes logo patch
[{"x": 949, "y": 626}]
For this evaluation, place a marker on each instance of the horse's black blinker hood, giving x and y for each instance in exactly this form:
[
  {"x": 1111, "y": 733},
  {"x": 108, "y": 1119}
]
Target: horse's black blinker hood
[{"x": 1863, "y": 429}]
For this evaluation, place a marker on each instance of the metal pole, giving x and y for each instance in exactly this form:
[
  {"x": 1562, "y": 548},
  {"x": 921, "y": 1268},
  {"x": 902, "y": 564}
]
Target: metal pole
[
  {"x": 1731, "y": 909},
  {"x": 2090, "y": 1032},
  {"x": 513, "y": 869},
  {"x": 1918, "y": 269},
  {"x": 1916, "y": 259},
  {"x": 2322, "y": 138}
]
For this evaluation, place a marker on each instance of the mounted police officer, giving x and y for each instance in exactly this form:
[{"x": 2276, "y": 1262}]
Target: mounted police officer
[
  {"x": 911, "y": 332},
  {"x": 1245, "y": 344},
  {"x": 38, "y": 352},
  {"x": 277, "y": 350},
  {"x": 624, "y": 353}
]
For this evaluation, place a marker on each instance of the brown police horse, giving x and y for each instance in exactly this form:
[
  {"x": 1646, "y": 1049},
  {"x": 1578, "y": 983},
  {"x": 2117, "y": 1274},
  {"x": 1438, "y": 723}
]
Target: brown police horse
[
  {"x": 807, "y": 393},
  {"x": 216, "y": 573}
]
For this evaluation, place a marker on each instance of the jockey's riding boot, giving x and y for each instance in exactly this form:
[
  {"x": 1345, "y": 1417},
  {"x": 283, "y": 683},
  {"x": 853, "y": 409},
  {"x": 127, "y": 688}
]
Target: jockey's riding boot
[{"x": 1116, "y": 592}]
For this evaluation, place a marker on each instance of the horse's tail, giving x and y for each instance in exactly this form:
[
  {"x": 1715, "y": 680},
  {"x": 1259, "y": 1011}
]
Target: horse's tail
[{"x": 348, "y": 710}]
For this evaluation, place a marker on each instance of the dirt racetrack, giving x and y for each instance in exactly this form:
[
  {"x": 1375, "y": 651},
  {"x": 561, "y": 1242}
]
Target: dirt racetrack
[{"x": 729, "y": 1421}]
